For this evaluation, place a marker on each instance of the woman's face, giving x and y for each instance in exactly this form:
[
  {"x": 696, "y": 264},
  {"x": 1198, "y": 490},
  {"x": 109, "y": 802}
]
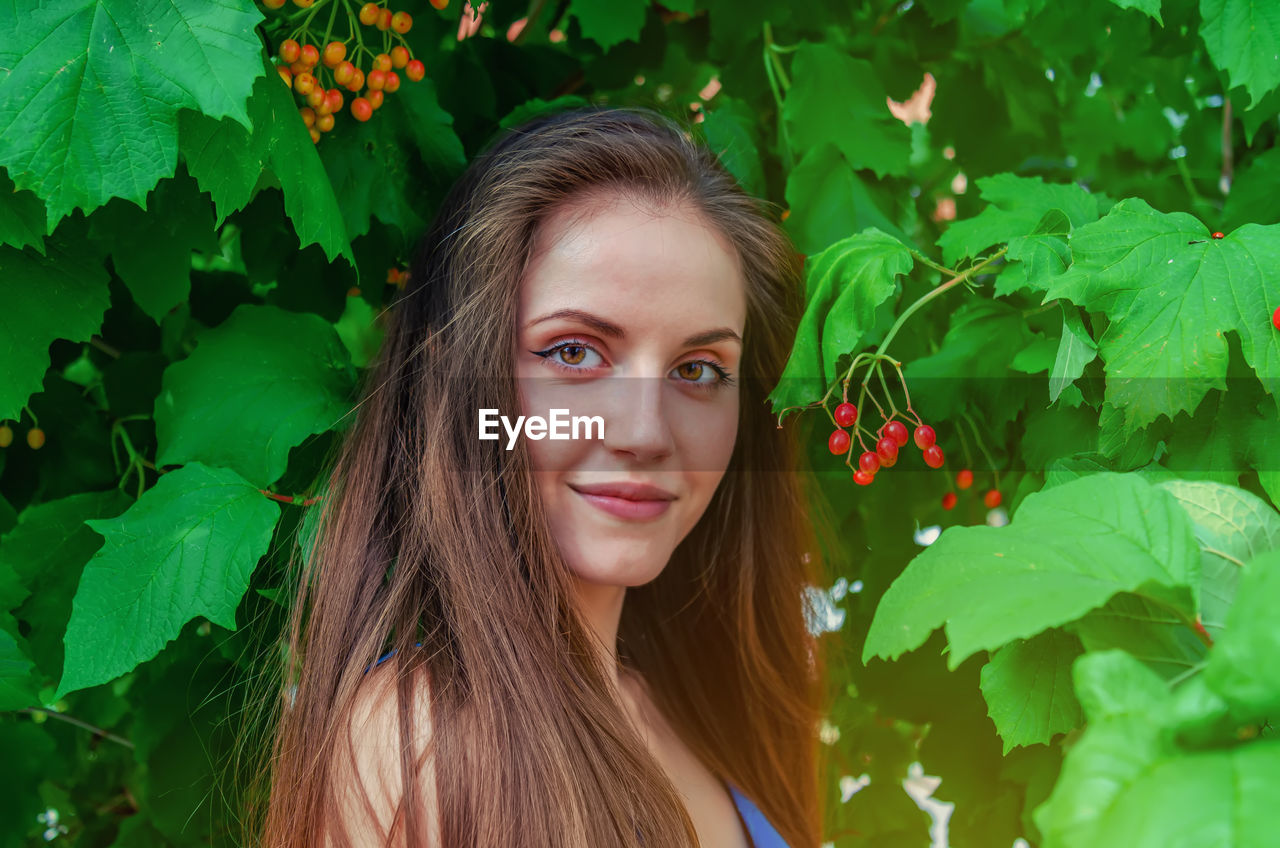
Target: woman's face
[{"x": 635, "y": 317}]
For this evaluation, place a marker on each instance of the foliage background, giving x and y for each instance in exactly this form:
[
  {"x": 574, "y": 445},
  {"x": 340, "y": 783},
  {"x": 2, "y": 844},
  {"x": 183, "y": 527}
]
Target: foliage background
[{"x": 191, "y": 287}]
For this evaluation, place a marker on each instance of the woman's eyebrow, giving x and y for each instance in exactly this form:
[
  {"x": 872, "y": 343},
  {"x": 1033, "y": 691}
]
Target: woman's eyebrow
[{"x": 608, "y": 328}]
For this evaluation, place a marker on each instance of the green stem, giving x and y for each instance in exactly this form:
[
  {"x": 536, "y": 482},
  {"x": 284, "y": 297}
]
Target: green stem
[
  {"x": 784, "y": 137},
  {"x": 927, "y": 261},
  {"x": 977, "y": 437}
]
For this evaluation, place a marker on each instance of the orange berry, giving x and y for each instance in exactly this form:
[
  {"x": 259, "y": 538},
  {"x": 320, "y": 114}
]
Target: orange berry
[
  {"x": 440, "y": 5},
  {"x": 35, "y": 438},
  {"x": 992, "y": 498},
  {"x": 315, "y": 135},
  {"x": 343, "y": 74},
  {"x": 310, "y": 55},
  {"x": 324, "y": 123},
  {"x": 401, "y": 22},
  {"x": 304, "y": 83},
  {"x": 304, "y": 4},
  {"x": 357, "y": 81},
  {"x": 384, "y": 19},
  {"x": 298, "y": 68},
  {"x": 333, "y": 100},
  {"x": 362, "y": 109},
  {"x": 399, "y": 56},
  {"x": 308, "y": 116},
  {"x": 334, "y": 52},
  {"x": 6, "y": 434},
  {"x": 369, "y": 14},
  {"x": 285, "y": 74},
  {"x": 374, "y": 98},
  {"x": 393, "y": 275},
  {"x": 354, "y": 291},
  {"x": 273, "y": 4},
  {"x": 376, "y": 79},
  {"x": 415, "y": 70},
  {"x": 315, "y": 98},
  {"x": 382, "y": 62},
  {"x": 290, "y": 50},
  {"x": 393, "y": 82}
]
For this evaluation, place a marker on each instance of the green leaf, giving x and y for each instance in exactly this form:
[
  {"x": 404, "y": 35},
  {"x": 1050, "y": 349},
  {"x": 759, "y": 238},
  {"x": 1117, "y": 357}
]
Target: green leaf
[
  {"x": 1150, "y": 8},
  {"x": 19, "y": 683},
  {"x": 727, "y": 131},
  {"x": 1076, "y": 350},
  {"x": 1125, "y": 785},
  {"x": 1242, "y": 667},
  {"x": 187, "y": 547},
  {"x": 839, "y": 99},
  {"x": 21, "y": 216},
  {"x": 151, "y": 249},
  {"x": 232, "y": 163},
  {"x": 1243, "y": 39},
  {"x": 971, "y": 367},
  {"x": 62, "y": 295},
  {"x": 93, "y": 88},
  {"x": 1018, "y": 207},
  {"x": 845, "y": 284},
  {"x": 255, "y": 387},
  {"x": 1170, "y": 302},
  {"x": 828, "y": 201},
  {"x": 1027, "y": 685},
  {"x": 1067, "y": 551},
  {"x": 369, "y": 168},
  {"x": 609, "y": 22}
]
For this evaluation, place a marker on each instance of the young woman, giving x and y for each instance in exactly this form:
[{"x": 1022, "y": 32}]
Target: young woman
[{"x": 597, "y": 641}]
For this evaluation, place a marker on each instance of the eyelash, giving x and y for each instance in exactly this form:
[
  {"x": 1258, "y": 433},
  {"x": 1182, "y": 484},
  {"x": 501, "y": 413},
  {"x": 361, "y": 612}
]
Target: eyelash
[{"x": 724, "y": 378}]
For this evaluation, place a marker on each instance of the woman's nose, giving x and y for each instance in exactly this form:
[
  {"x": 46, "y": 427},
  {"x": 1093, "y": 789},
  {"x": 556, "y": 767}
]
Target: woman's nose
[{"x": 637, "y": 419}]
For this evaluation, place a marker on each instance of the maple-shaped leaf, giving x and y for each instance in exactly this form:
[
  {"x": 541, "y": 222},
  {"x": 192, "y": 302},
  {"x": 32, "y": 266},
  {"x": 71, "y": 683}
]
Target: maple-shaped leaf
[
  {"x": 1172, "y": 293},
  {"x": 90, "y": 94}
]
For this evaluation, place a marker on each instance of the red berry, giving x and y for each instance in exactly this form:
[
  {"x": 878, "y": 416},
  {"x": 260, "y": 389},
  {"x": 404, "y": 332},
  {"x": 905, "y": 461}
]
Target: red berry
[
  {"x": 1218, "y": 235},
  {"x": 315, "y": 99},
  {"x": 333, "y": 100},
  {"x": 949, "y": 500},
  {"x": 415, "y": 70},
  {"x": 361, "y": 109},
  {"x": 308, "y": 116},
  {"x": 369, "y": 14},
  {"x": 862, "y": 478},
  {"x": 964, "y": 479},
  {"x": 838, "y": 442},
  {"x": 290, "y": 50},
  {"x": 1275, "y": 317},
  {"x": 344, "y": 73},
  {"x": 897, "y": 431},
  {"x": 887, "y": 448},
  {"x": 399, "y": 56},
  {"x": 845, "y": 414},
  {"x": 374, "y": 98},
  {"x": 933, "y": 456},
  {"x": 925, "y": 436},
  {"x": 324, "y": 123},
  {"x": 309, "y": 55},
  {"x": 384, "y": 20},
  {"x": 376, "y": 79},
  {"x": 357, "y": 81},
  {"x": 304, "y": 83},
  {"x": 382, "y": 62},
  {"x": 401, "y": 22},
  {"x": 334, "y": 52},
  {"x": 439, "y": 4},
  {"x": 992, "y": 498},
  {"x": 393, "y": 82},
  {"x": 869, "y": 462}
]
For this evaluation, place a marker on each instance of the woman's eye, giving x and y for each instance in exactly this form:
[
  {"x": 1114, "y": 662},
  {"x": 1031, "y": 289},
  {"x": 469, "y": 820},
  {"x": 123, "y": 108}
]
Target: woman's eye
[
  {"x": 693, "y": 371},
  {"x": 572, "y": 356}
]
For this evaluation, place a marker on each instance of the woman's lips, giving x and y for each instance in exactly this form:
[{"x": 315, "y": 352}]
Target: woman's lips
[{"x": 636, "y": 507}]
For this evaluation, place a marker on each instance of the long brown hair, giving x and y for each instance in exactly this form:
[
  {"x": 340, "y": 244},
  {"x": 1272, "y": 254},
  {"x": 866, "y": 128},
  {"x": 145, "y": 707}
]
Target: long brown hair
[{"x": 426, "y": 534}]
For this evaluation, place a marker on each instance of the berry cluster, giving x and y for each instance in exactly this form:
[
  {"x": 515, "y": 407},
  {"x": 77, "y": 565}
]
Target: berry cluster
[
  {"x": 317, "y": 69},
  {"x": 891, "y": 436},
  {"x": 35, "y": 437},
  {"x": 964, "y": 479}
]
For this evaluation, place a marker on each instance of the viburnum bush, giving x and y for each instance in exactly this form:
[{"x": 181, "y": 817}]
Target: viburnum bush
[{"x": 1041, "y": 258}]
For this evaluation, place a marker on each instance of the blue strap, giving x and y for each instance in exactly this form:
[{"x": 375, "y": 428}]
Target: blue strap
[{"x": 762, "y": 832}]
